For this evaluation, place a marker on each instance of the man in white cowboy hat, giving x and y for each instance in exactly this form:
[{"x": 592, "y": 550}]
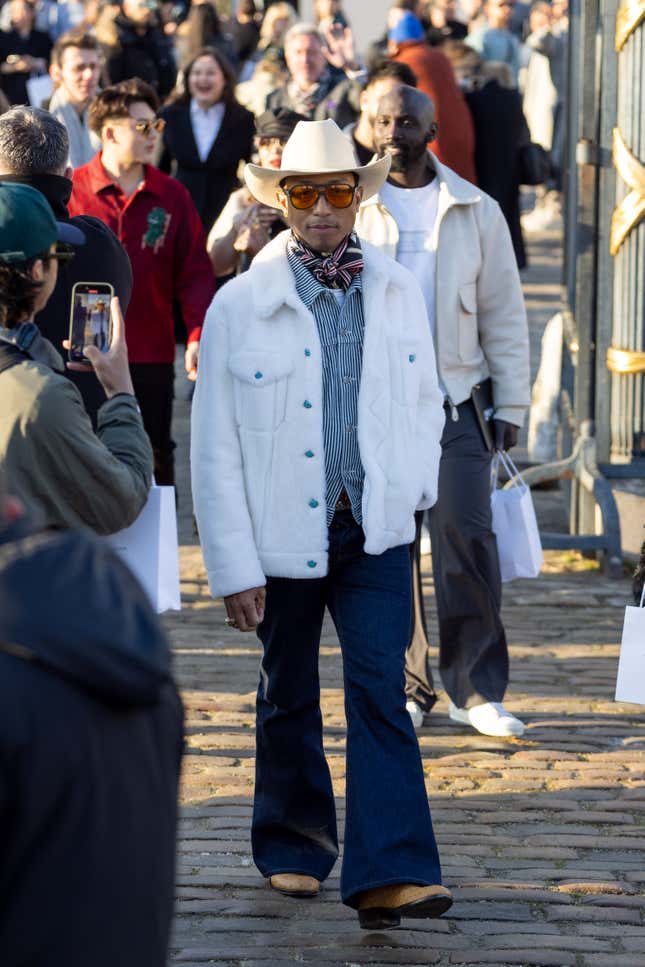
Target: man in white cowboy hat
[{"x": 316, "y": 427}]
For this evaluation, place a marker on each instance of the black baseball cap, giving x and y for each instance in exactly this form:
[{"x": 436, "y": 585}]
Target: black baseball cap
[
  {"x": 277, "y": 124},
  {"x": 28, "y": 226}
]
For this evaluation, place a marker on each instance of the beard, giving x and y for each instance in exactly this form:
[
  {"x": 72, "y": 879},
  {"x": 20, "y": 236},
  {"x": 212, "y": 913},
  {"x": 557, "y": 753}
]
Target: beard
[
  {"x": 400, "y": 161},
  {"x": 405, "y": 156}
]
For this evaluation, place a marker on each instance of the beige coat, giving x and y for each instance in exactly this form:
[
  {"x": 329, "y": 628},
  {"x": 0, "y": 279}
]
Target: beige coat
[{"x": 481, "y": 327}]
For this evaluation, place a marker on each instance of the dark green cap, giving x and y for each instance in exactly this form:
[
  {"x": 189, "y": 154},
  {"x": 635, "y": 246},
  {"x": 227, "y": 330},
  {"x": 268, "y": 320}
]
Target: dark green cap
[{"x": 28, "y": 226}]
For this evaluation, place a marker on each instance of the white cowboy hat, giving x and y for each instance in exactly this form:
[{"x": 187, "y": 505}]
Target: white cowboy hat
[{"x": 315, "y": 148}]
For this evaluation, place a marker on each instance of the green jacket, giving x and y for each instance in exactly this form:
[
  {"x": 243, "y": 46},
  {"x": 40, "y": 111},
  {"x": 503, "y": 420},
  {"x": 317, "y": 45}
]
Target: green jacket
[{"x": 64, "y": 473}]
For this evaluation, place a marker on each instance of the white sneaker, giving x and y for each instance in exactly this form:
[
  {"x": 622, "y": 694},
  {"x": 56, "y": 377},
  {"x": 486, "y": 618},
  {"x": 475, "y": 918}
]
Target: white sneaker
[
  {"x": 545, "y": 217},
  {"x": 491, "y": 718},
  {"x": 416, "y": 713}
]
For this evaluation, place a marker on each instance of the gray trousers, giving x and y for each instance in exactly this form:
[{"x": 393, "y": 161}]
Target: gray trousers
[{"x": 473, "y": 656}]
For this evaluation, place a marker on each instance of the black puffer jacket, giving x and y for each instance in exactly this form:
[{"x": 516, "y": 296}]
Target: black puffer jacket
[
  {"x": 148, "y": 56},
  {"x": 90, "y": 745}
]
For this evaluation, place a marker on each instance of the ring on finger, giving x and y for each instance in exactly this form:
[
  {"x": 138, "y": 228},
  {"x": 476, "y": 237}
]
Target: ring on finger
[{"x": 231, "y": 622}]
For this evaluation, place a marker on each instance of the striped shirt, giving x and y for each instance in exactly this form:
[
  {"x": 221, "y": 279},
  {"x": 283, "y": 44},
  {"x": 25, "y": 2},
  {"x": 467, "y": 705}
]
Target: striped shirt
[{"x": 341, "y": 325}]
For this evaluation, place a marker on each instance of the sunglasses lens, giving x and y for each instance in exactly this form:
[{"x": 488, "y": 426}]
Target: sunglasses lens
[
  {"x": 303, "y": 196},
  {"x": 340, "y": 196}
]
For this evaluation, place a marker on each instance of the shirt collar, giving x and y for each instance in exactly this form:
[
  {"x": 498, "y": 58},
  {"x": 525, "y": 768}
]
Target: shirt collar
[
  {"x": 100, "y": 179},
  {"x": 309, "y": 288},
  {"x": 210, "y": 112}
]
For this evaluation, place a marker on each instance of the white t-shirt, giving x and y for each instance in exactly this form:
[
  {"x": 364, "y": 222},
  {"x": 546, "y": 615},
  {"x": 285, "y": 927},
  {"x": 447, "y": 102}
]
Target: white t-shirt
[{"x": 415, "y": 212}]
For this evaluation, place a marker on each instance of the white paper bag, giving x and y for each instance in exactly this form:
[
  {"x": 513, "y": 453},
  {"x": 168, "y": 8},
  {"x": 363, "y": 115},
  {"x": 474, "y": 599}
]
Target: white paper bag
[
  {"x": 39, "y": 89},
  {"x": 514, "y": 525},
  {"x": 150, "y": 549},
  {"x": 630, "y": 684}
]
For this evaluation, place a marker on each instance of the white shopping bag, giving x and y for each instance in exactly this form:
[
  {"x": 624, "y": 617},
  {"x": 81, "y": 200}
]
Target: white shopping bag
[
  {"x": 630, "y": 684},
  {"x": 39, "y": 89},
  {"x": 150, "y": 549},
  {"x": 514, "y": 525}
]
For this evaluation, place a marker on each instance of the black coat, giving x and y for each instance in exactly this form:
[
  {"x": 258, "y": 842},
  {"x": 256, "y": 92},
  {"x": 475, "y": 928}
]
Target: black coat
[
  {"x": 90, "y": 745},
  {"x": 37, "y": 44},
  {"x": 209, "y": 182},
  {"x": 148, "y": 56},
  {"x": 101, "y": 259},
  {"x": 500, "y": 129}
]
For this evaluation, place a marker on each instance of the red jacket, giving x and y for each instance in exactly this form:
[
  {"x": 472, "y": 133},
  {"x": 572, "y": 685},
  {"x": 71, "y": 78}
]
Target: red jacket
[
  {"x": 162, "y": 233},
  {"x": 455, "y": 144}
]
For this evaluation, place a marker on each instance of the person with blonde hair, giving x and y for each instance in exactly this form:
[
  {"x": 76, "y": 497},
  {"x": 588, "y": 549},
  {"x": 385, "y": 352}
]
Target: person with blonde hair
[{"x": 278, "y": 19}]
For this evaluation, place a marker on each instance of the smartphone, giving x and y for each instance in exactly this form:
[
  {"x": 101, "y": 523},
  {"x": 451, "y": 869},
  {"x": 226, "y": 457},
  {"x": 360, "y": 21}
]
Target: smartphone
[{"x": 90, "y": 320}]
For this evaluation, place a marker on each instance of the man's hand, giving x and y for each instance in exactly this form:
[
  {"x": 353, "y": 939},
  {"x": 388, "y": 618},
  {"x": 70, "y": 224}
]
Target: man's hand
[
  {"x": 246, "y": 609},
  {"x": 339, "y": 49},
  {"x": 190, "y": 360},
  {"x": 111, "y": 368},
  {"x": 506, "y": 434}
]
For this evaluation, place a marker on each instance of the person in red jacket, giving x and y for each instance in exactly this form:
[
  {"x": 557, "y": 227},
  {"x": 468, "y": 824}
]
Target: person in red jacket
[
  {"x": 157, "y": 222},
  {"x": 455, "y": 144}
]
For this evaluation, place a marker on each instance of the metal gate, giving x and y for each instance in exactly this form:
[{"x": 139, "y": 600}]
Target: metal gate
[{"x": 603, "y": 380}]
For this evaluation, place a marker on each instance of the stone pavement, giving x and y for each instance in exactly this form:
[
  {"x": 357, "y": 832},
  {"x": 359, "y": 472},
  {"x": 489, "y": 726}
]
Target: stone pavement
[{"x": 542, "y": 838}]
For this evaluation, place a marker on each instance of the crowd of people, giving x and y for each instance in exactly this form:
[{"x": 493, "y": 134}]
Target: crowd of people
[{"x": 335, "y": 238}]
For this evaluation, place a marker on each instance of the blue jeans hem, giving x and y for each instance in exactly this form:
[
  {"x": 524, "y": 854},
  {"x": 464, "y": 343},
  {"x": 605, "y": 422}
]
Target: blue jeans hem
[
  {"x": 351, "y": 899},
  {"x": 297, "y": 871}
]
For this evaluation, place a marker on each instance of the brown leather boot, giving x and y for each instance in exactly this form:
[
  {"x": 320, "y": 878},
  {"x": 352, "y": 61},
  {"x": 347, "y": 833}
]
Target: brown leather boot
[
  {"x": 294, "y": 884},
  {"x": 383, "y": 907}
]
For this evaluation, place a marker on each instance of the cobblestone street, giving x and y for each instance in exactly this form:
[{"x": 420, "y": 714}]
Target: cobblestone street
[{"x": 542, "y": 838}]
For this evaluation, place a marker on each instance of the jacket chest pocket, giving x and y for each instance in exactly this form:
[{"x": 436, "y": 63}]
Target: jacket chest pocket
[
  {"x": 406, "y": 374},
  {"x": 468, "y": 333},
  {"x": 260, "y": 388}
]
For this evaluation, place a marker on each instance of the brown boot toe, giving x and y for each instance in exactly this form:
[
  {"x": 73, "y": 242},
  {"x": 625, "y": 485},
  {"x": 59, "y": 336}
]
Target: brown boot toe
[
  {"x": 384, "y": 906},
  {"x": 294, "y": 884}
]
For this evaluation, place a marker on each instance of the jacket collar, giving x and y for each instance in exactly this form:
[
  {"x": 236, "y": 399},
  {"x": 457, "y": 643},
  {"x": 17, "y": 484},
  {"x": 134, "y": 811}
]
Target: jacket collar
[
  {"x": 99, "y": 179},
  {"x": 273, "y": 283},
  {"x": 56, "y": 188},
  {"x": 453, "y": 190}
]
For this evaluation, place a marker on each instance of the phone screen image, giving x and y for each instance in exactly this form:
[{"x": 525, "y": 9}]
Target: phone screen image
[{"x": 90, "y": 318}]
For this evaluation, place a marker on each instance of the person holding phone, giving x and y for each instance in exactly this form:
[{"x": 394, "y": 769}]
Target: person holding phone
[
  {"x": 34, "y": 150},
  {"x": 68, "y": 477}
]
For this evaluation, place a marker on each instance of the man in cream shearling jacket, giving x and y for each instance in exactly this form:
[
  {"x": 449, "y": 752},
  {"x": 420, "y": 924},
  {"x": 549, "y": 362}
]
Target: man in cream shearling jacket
[
  {"x": 316, "y": 427},
  {"x": 455, "y": 240}
]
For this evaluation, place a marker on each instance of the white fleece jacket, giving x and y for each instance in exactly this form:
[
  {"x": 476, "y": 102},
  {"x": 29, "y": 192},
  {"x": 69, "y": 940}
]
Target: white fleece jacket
[{"x": 258, "y": 466}]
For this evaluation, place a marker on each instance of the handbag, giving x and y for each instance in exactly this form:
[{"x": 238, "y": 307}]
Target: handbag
[
  {"x": 630, "y": 682},
  {"x": 534, "y": 164},
  {"x": 150, "y": 549},
  {"x": 514, "y": 524}
]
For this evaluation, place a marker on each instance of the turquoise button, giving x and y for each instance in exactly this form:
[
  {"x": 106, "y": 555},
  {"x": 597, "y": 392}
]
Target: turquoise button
[
  {"x": 312, "y": 563},
  {"x": 313, "y": 504},
  {"x": 412, "y": 357},
  {"x": 307, "y": 352},
  {"x": 258, "y": 375},
  {"x": 309, "y": 453},
  {"x": 307, "y": 405}
]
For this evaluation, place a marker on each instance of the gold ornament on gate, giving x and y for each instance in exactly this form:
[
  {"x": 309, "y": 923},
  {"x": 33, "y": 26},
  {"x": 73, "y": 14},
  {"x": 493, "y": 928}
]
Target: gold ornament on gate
[
  {"x": 631, "y": 209},
  {"x": 629, "y": 17}
]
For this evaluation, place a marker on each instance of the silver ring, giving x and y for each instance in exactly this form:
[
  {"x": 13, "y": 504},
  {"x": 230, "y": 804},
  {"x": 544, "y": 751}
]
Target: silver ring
[{"x": 231, "y": 622}]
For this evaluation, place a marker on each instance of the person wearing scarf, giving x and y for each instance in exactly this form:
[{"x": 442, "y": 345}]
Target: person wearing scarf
[
  {"x": 76, "y": 70},
  {"x": 315, "y": 436}
]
